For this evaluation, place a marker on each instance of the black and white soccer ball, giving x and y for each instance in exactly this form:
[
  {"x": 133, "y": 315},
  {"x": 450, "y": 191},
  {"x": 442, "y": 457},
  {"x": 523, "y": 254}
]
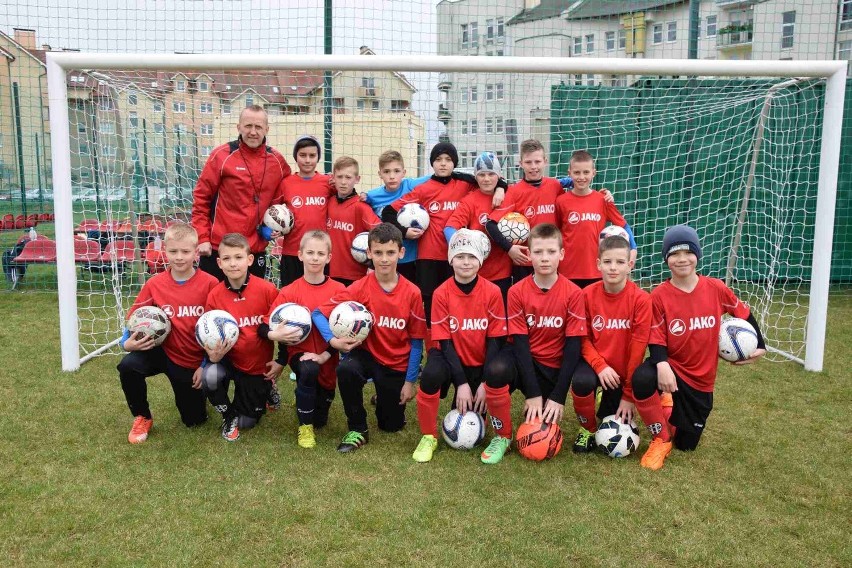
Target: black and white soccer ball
[
  {"x": 293, "y": 316},
  {"x": 215, "y": 328},
  {"x": 151, "y": 321},
  {"x": 616, "y": 438},
  {"x": 737, "y": 340},
  {"x": 413, "y": 216},
  {"x": 514, "y": 227},
  {"x": 463, "y": 432},
  {"x": 360, "y": 245},
  {"x": 279, "y": 218},
  {"x": 350, "y": 320}
]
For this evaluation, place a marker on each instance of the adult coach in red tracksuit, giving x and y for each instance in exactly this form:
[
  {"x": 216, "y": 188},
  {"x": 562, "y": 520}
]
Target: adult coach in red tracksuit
[{"x": 239, "y": 182}]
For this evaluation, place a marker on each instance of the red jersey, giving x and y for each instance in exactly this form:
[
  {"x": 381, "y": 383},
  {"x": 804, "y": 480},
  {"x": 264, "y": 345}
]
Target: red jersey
[
  {"x": 248, "y": 306},
  {"x": 345, "y": 220},
  {"x": 537, "y": 204},
  {"x": 687, "y": 324},
  {"x": 184, "y": 304},
  {"x": 311, "y": 296},
  {"x": 234, "y": 190},
  {"x": 440, "y": 200},
  {"x": 468, "y": 319},
  {"x": 618, "y": 330},
  {"x": 472, "y": 213},
  {"x": 546, "y": 317},
  {"x": 308, "y": 200},
  {"x": 581, "y": 218},
  {"x": 397, "y": 318}
]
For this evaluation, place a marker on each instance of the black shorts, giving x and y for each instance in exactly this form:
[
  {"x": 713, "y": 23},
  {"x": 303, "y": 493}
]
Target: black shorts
[
  {"x": 546, "y": 376},
  {"x": 583, "y": 282},
  {"x": 691, "y": 408},
  {"x": 437, "y": 373},
  {"x": 250, "y": 392},
  {"x": 209, "y": 265},
  {"x": 586, "y": 380},
  {"x": 431, "y": 274},
  {"x": 409, "y": 270}
]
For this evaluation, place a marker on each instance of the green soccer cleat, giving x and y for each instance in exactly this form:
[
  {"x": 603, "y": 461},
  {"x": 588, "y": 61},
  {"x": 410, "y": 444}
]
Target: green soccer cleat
[
  {"x": 306, "y": 437},
  {"x": 584, "y": 443},
  {"x": 425, "y": 449},
  {"x": 352, "y": 441},
  {"x": 496, "y": 450}
]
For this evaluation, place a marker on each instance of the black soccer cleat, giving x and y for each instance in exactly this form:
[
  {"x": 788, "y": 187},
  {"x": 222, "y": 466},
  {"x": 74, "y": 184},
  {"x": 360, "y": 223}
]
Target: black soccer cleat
[{"x": 352, "y": 441}]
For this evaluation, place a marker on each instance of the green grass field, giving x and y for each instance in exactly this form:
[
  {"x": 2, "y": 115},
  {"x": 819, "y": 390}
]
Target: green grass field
[{"x": 768, "y": 486}]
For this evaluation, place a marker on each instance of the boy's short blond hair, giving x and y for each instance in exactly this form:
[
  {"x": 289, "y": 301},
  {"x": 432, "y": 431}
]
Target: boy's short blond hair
[
  {"x": 345, "y": 162},
  {"x": 389, "y": 156},
  {"x": 529, "y": 146},
  {"x": 181, "y": 232},
  {"x": 545, "y": 231},
  {"x": 316, "y": 235},
  {"x": 235, "y": 240},
  {"x": 581, "y": 156}
]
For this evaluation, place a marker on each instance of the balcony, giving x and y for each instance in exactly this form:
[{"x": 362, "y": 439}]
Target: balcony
[
  {"x": 443, "y": 114},
  {"x": 368, "y": 92},
  {"x": 734, "y": 36},
  {"x": 444, "y": 85},
  {"x": 733, "y": 4}
]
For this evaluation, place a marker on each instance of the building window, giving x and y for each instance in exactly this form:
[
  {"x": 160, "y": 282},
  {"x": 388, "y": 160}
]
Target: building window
[
  {"x": 109, "y": 151},
  {"x": 374, "y": 105},
  {"x": 107, "y": 128},
  {"x": 399, "y": 105},
  {"x": 464, "y": 127},
  {"x": 337, "y": 105},
  {"x": 159, "y": 128},
  {"x": 226, "y": 108},
  {"x": 590, "y": 79},
  {"x": 498, "y": 91},
  {"x": 474, "y": 126},
  {"x": 133, "y": 118},
  {"x": 473, "y": 94},
  {"x": 83, "y": 148},
  {"x": 622, "y": 38},
  {"x": 132, "y": 99},
  {"x": 182, "y": 150},
  {"x": 657, "y": 31},
  {"x": 470, "y": 35},
  {"x": 489, "y": 126},
  {"x": 610, "y": 41},
  {"x": 81, "y": 128},
  {"x": 498, "y": 125},
  {"x": 158, "y": 107},
  {"x": 206, "y": 108},
  {"x": 671, "y": 31},
  {"x": 578, "y": 45},
  {"x": 206, "y": 150},
  {"x": 203, "y": 86},
  {"x": 361, "y": 104},
  {"x": 846, "y": 15},
  {"x": 180, "y": 128},
  {"x": 207, "y": 129},
  {"x": 180, "y": 85},
  {"x": 499, "y": 53},
  {"x": 590, "y": 43},
  {"x": 844, "y": 50},
  {"x": 489, "y": 92},
  {"x": 711, "y": 26},
  {"x": 788, "y": 28},
  {"x": 578, "y": 79},
  {"x": 179, "y": 106},
  {"x": 489, "y": 31},
  {"x": 368, "y": 84},
  {"x": 500, "y": 30},
  {"x": 106, "y": 104},
  {"x": 158, "y": 151},
  {"x": 463, "y": 95},
  {"x": 249, "y": 100}
]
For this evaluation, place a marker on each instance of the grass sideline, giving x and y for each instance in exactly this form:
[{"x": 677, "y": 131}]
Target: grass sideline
[{"x": 768, "y": 486}]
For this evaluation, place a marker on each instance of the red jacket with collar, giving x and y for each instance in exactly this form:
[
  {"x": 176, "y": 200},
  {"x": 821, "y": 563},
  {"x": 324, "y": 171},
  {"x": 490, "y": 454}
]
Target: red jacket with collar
[{"x": 234, "y": 190}]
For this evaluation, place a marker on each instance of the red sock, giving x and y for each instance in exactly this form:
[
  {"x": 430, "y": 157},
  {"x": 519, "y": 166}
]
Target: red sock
[
  {"x": 427, "y": 412},
  {"x": 584, "y": 407},
  {"x": 499, "y": 404},
  {"x": 653, "y": 415},
  {"x": 668, "y": 405}
]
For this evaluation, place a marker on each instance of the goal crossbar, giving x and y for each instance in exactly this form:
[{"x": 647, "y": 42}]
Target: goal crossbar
[{"x": 59, "y": 63}]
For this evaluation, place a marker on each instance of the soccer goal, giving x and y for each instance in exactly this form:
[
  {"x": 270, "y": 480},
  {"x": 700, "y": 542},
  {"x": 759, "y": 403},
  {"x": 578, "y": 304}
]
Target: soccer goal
[{"x": 745, "y": 151}]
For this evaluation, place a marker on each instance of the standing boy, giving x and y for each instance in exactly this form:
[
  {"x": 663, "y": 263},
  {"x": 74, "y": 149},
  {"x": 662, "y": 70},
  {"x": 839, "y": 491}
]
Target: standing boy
[
  {"x": 686, "y": 314},
  {"x": 181, "y": 291},
  {"x": 249, "y": 362},
  {"x": 312, "y": 360},
  {"x": 347, "y": 216},
  {"x": 391, "y": 353},
  {"x": 618, "y": 319},
  {"x": 468, "y": 322},
  {"x": 547, "y": 320}
]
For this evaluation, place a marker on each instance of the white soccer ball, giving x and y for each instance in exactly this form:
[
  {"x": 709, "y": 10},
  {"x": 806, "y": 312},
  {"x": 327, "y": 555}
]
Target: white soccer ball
[
  {"x": 359, "y": 248},
  {"x": 279, "y": 218},
  {"x": 615, "y": 438},
  {"x": 350, "y": 320},
  {"x": 152, "y": 321},
  {"x": 293, "y": 316},
  {"x": 413, "y": 216},
  {"x": 614, "y": 231},
  {"x": 463, "y": 432},
  {"x": 737, "y": 340},
  {"x": 514, "y": 227},
  {"x": 215, "y": 328}
]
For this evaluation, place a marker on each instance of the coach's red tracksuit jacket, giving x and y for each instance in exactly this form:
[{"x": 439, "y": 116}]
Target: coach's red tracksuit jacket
[{"x": 234, "y": 190}]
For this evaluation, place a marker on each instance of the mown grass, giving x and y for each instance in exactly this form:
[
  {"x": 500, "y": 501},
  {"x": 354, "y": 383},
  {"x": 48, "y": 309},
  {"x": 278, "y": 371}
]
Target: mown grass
[{"x": 767, "y": 487}]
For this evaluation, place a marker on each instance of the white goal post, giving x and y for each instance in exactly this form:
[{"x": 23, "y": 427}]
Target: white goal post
[{"x": 834, "y": 73}]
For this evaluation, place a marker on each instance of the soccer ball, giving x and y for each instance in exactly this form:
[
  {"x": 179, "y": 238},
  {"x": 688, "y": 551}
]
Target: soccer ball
[
  {"x": 359, "y": 248},
  {"x": 463, "y": 432},
  {"x": 215, "y": 328},
  {"x": 539, "y": 441},
  {"x": 351, "y": 320},
  {"x": 293, "y": 316},
  {"x": 737, "y": 340},
  {"x": 615, "y": 438},
  {"x": 614, "y": 231},
  {"x": 514, "y": 227},
  {"x": 413, "y": 216},
  {"x": 279, "y": 218},
  {"x": 152, "y": 321}
]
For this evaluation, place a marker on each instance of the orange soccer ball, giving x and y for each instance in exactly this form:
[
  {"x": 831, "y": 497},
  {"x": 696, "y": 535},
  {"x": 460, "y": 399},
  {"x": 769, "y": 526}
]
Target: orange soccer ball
[{"x": 539, "y": 441}]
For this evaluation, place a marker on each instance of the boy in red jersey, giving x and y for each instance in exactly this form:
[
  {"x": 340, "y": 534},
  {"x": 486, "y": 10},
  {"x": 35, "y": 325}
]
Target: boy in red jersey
[
  {"x": 181, "y": 292},
  {"x": 307, "y": 195},
  {"x": 686, "y": 313},
  {"x": 547, "y": 320},
  {"x": 468, "y": 321},
  {"x": 311, "y": 360},
  {"x": 473, "y": 212},
  {"x": 391, "y": 353},
  {"x": 618, "y": 318},
  {"x": 582, "y": 214},
  {"x": 249, "y": 362},
  {"x": 347, "y": 216}
]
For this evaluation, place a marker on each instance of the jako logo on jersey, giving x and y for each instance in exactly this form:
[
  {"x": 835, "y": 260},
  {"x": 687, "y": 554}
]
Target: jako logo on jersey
[
  {"x": 598, "y": 323},
  {"x": 529, "y": 213},
  {"x": 574, "y": 217},
  {"x": 677, "y": 327},
  {"x": 189, "y": 311},
  {"x": 610, "y": 323},
  {"x": 296, "y": 202},
  {"x": 247, "y": 321},
  {"x": 702, "y": 322},
  {"x": 434, "y": 207},
  {"x": 544, "y": 321},
  {"x": 335, "y": 224},
  {"x": 320, "y": 201},
  {"x": 471, "y": 324},
  {"x": 530, "y": 320},
  {"x": 483, "y": 218},
  {"x": 170, "y": 311},
  {"x": 391, "y": 323},
  {"x": 454, "y": 324}
]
